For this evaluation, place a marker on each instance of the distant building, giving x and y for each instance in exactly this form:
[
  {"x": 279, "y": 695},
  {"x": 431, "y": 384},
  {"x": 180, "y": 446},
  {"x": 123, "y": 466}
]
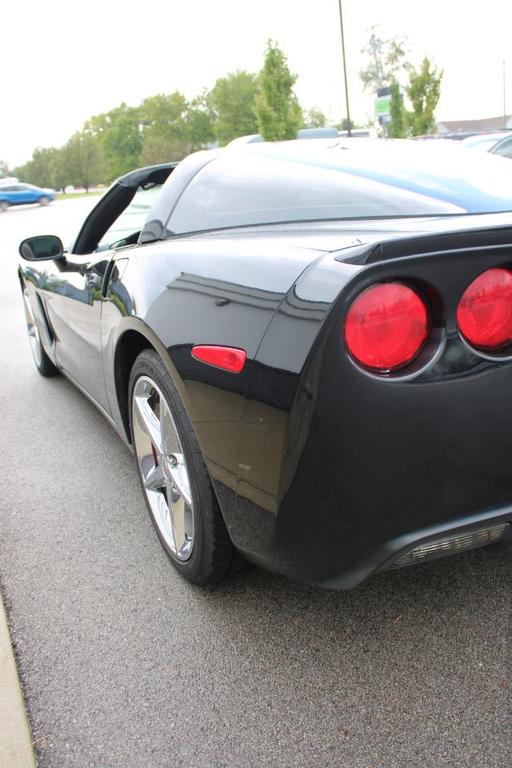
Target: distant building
[{"x": 466, "y": 126}]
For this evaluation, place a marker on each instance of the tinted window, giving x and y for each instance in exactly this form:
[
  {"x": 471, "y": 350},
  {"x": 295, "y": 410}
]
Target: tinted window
[
  {"x": 505, "y": 149},
  {"x": 275, "y": 183}
]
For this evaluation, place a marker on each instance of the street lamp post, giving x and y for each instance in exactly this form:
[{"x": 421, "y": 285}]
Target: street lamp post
[
  {"x": 344, "y": 70},
  {"x": 504, "y": 95}
]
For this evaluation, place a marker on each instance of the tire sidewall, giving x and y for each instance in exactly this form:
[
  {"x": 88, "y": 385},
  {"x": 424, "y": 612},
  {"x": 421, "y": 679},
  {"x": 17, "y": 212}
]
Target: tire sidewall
[
  {"x": 45, "y": 367},
  {"x": 149, "y": 364}
]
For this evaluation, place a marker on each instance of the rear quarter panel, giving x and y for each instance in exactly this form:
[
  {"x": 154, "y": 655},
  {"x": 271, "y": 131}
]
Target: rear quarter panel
[{"x": 185, "y": 292}]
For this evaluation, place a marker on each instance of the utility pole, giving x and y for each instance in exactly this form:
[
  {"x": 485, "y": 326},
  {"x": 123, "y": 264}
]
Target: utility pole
[
  {"x": 349, "y": 131},
  {"x": 504, "y": 96}
]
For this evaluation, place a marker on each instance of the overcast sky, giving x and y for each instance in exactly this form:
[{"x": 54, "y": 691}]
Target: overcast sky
[{"x": 65, "y": 60}]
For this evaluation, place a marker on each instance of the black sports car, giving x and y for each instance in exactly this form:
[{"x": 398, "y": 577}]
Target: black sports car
[{"x": 308, "y": 346}]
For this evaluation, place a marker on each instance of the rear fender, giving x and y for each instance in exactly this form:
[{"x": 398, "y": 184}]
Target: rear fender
[{"x": 185, "y": 292}]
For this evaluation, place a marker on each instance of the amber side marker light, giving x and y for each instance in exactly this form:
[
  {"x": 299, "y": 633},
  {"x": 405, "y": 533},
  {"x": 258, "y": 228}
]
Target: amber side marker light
[
  {"x": 227, "y": 358},
  {"x": 484, "y": 314},
  {"x": 386, "y": 327}
]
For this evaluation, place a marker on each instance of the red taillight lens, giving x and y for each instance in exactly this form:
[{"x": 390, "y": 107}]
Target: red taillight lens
[
  {"x": 386, "y": 326},
  {"x": 228, "y": 358},
  {"x": 484, "y": 314}
]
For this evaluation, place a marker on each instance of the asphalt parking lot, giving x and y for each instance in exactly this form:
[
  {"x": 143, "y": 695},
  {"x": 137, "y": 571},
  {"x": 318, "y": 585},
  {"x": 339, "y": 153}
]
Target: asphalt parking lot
[{"x": 123, "y": 664}]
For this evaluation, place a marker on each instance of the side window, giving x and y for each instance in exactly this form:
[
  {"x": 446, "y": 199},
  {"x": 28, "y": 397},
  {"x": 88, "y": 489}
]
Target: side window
[
  {"x": 505, "y": 149},
  {"x": 127, "y": 226}
]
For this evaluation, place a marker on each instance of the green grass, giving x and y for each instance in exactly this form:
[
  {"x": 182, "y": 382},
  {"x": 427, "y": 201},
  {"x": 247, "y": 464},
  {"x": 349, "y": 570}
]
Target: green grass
[{"x": 71, "y": 195}]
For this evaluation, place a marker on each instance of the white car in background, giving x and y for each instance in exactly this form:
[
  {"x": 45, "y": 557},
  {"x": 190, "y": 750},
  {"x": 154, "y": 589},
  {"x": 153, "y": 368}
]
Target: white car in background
[{"x": 498, "y": 143}]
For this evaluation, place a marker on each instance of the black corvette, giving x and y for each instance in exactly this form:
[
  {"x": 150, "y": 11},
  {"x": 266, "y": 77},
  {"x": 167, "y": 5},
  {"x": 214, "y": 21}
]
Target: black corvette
[{"x": 308, "y": 346}]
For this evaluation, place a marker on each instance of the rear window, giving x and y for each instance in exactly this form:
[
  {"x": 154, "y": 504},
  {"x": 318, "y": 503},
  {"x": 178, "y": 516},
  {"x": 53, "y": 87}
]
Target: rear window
[{"x": 264, "y": 184}]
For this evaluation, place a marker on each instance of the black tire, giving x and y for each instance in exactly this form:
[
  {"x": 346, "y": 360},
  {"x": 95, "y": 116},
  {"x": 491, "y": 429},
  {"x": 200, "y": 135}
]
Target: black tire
[
  {"x": 46, "y": 368},
  {"x": 44, "y": 200},
  {"x": 213, "y": 552},
  {"x": 41, "y": 360},
  {"x": 4, "y": 205}
]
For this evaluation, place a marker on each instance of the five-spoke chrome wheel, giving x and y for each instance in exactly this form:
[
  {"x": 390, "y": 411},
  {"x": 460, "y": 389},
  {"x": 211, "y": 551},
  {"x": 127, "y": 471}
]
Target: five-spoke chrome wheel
[
  {"x": 163, "y": 467},
  {"x": 33, "y": 332}
]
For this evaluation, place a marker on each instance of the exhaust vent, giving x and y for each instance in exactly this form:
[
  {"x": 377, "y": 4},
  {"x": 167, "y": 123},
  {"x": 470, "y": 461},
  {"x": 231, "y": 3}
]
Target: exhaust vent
[{"x": 451, "y": 545}]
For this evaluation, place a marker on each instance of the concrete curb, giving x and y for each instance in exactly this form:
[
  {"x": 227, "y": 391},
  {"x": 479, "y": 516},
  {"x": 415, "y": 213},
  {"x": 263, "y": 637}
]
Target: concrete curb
[{"x": 15, "y": 737}]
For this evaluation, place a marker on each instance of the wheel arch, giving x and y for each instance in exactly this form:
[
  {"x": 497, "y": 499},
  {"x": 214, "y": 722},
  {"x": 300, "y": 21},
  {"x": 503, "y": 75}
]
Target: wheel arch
[{"x": 133, "y": 338}]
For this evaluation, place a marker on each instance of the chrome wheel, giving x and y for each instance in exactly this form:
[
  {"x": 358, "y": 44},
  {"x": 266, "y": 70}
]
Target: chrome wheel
[
  {"x": 33, "y": 332},
  {"x": 163, "y": 467}
]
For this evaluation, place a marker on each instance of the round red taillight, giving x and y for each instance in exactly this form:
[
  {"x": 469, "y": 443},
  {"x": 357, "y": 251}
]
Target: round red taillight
[
  {"x": 484, "y": 314},
  {"x": 386, "y": 326}
]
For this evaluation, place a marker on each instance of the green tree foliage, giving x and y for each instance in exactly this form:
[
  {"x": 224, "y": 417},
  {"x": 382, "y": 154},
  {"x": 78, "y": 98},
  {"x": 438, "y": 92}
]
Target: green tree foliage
[
  {"x": 81, "y": 161},
  {"x": 397, "y": 127},
  {"x": 40, "y": 169},
  {"x": 167, "y": 127},
  {"x": 200, "y": 122},
  {"x": 314, "y": 118},
  {"x": 231, "y": 101},
  {"x": 165, "y": 135},
  {"x": 346, "y": 125},
  {"x": 277, "y": 108},
  {"x": 386, "y": 59},
  {"x": 423, "y": 90},
  {"x": 60, "y": 176},
  {"x": 120, "y": 139}
]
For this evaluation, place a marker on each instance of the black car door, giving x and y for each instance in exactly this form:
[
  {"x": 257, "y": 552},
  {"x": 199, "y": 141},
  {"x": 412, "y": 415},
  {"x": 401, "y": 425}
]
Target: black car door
[
  {"x": 73, "y": 304},
  {"x": 73, "y": 291}
]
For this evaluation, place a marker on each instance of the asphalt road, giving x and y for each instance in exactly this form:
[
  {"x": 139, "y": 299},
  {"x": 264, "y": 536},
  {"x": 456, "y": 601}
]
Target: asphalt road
[{"x": 123, "y": 664}]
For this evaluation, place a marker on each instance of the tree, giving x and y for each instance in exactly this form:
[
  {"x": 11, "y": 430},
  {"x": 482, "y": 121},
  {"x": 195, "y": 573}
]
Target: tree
[
  {"x": 386, "y": 61},
  {"x": 200, "y": 121},
  {"x": 277, "y": 107},
  {"x": 314, "y": 118},
  {"x": 38, "y": 170},
  {"x": 120, "y": 139},
  {"x": 423, "y": 90},
  {"x": 346, "y": 125},
  {"x": 81, "y": 160},
  {"x": 163, "y": 120},
  {"x": 232, "y": 101},
  {"x": 60, "y": 178},
  {"x": 4, "y": 169},
  {"x": 397, "y": 127}
]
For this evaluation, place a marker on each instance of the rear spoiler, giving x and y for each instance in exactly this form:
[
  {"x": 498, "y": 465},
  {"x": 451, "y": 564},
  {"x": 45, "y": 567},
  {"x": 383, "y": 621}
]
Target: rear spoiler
[{"x": 399, "y": 247}]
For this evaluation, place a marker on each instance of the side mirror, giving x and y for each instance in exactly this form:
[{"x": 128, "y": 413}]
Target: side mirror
[{"x": 41, "y": 248}]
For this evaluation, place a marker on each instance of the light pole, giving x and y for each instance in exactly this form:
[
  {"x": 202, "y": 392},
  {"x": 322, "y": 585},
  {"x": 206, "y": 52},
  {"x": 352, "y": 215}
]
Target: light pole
[
  {"x": 349, "y": 132},
  {"x": 504, "y": 95}
]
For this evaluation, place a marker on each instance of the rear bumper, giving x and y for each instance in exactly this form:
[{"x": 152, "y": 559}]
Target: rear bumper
[{"x": 496, "y": 524}]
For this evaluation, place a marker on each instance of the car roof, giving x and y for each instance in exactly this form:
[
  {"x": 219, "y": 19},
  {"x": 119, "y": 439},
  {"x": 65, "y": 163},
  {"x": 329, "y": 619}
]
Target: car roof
[
  {"x": 486, "y": 137},
  {"x": 435, "y": 170}
]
